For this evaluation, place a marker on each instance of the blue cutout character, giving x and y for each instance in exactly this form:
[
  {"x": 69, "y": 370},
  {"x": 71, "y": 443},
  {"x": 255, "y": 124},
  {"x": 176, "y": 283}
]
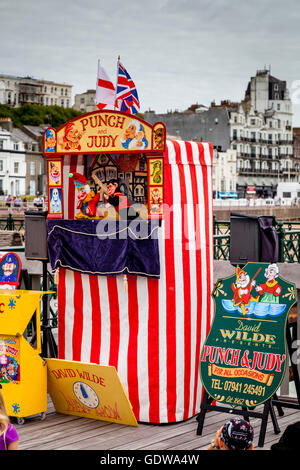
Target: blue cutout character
[
  {"x": 50, "y": 141},
  {"x": 8, "y": 268}
]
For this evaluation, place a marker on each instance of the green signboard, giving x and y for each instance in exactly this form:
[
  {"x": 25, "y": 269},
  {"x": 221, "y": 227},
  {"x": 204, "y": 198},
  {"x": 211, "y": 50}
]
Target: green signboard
[{"x": 245, "y": 354}]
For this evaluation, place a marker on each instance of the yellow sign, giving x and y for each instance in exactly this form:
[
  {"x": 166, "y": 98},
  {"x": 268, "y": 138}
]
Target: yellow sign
[
  {"x": 104, "y": 131},
  {"x": 89, "y": 390}
]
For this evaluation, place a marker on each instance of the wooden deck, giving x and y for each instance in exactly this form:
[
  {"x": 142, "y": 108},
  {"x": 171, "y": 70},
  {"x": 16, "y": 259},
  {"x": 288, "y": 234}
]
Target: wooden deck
[{"x": 64, "y": 432}]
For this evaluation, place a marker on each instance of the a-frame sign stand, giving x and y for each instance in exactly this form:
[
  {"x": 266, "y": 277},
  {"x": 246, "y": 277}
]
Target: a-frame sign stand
[{"x": 268, "y": 408}]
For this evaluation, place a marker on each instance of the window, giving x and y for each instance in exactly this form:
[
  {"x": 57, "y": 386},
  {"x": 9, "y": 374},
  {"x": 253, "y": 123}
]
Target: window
[
  {"x": 16, "y": 167},
  {"x": 1, "y": 165},
  {"x": 278, "y": 107},
  {"x": 16, "y": 146},
  {"x": 82, "y": 100},
  {"x": 253, "y": 122},
  {"x": 286, "y": 194},
  {"x": 1, "y": 144},
  {"x": 32, "y": 168},
  {"x": 1, "y": 185}
]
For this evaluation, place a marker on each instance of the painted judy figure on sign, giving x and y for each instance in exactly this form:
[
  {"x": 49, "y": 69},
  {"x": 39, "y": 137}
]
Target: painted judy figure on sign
[{"x": 245, "y": 354}]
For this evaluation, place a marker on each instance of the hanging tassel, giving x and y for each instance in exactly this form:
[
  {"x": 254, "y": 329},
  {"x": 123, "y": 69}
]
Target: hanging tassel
[
  {"x": 125, "y": 282},
  {"x": 56, "y": 275}
]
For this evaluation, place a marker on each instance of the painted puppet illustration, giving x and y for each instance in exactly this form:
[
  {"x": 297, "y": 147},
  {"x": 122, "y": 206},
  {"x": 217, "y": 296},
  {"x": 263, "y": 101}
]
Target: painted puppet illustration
[
  {"x": 134, "y": 136},
  {"x": 242, "y": 289},
  {"x": 9, "y": 369},
  {"x": 156, "y": 172},
  {"x": 10, "y": 267},
  {"x": 55, "y": 201},
  {"x": 271, "y": 289},
  {"x": 55, "y": 173},
  {"x": 156, "y": 200},
  {"x": 71, "y": 139},
  {"x": 257, "y": 299},
  {"x": 50, "y": 141},
  {"x": 159, "y": 136}
]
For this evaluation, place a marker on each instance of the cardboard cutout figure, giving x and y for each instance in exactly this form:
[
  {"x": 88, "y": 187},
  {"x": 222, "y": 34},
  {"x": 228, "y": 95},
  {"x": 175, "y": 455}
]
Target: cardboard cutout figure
[{"x": 10, "y": 268}]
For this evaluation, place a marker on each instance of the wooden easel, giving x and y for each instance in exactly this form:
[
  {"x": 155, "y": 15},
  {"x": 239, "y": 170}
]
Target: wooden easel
[{"x": 269, "y": 405}]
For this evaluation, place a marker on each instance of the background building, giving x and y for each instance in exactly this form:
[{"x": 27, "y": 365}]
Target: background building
[
  {"x": 85, "y": 102},
  {"x": 17, "y": 91},
  {"x": 261, "y": 133},
  {"x": 198, "y": 123},
  {"x": 224, "y": 174},
  {"x": 12, "y": 164},
  {"x": 29, "y": 139}
]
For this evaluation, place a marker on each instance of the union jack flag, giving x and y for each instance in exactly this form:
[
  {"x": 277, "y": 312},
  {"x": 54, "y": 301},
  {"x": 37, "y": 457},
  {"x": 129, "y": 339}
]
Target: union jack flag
[{"x": 127, "y": 99}]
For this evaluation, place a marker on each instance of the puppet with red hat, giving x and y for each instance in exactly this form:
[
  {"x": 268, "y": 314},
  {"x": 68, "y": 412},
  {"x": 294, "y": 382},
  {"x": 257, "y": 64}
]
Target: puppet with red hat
[
  {"x": 242, "y": 290},
  {"x": 87, "y": 199}
]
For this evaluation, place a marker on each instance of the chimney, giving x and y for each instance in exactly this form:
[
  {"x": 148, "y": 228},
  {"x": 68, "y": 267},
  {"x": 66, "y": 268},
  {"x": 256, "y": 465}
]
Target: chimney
[{"x": 6, "y": 123}]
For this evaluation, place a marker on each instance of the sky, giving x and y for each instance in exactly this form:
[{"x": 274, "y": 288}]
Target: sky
[{"x": 178, "y": 52}]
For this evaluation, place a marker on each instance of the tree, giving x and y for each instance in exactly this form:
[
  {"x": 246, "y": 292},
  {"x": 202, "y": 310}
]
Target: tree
[{"x": 35, "y": 115}]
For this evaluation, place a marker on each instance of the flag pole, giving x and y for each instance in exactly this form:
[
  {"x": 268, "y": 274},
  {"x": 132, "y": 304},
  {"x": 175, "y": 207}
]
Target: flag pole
[
  {"x": 97, "y": 83},
  {"x": 117, "y": 81}
]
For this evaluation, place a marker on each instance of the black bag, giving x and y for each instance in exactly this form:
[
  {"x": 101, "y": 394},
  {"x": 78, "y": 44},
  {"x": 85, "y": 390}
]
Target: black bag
[
  {"x": 269, "y": 239},
  {"x": 253, "y": 238}
]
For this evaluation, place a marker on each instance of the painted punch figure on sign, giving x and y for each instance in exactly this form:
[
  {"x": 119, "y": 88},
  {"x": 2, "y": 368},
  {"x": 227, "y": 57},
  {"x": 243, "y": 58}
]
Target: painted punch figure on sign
[{"x": 242, "y": 290}]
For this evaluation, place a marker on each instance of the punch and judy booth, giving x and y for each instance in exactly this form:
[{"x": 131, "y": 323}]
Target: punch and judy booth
[{"x": 130, "y": 231}]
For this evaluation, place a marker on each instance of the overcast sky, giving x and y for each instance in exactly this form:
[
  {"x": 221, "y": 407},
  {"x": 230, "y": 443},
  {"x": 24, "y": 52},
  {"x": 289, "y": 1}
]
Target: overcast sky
[{"x": 178, "y": 52}]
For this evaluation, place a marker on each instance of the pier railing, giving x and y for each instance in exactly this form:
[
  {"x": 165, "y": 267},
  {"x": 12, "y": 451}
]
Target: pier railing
[{"x": 288, "y": 234}]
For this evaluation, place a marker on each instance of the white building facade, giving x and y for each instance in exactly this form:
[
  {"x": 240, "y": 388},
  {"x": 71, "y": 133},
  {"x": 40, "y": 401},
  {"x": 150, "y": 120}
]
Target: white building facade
[
  {"x": 224, "y": 174},
  {"x": 261, "y": 133},
  {"x": 17, "y": 91},
  {"x": 12, "y": 165},
  {"x": 85, "y": 102}
]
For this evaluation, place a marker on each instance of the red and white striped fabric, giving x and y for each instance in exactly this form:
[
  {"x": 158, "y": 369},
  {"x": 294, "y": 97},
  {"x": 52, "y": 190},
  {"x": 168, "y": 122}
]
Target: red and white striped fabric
[{"x": 153, "y": 332}]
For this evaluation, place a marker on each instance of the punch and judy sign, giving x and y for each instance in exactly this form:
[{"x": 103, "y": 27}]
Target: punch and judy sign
[{"x": 245, "y": 354}]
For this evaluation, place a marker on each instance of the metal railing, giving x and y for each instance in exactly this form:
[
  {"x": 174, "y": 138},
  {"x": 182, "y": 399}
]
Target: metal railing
[{"x": 288, "y": 235}]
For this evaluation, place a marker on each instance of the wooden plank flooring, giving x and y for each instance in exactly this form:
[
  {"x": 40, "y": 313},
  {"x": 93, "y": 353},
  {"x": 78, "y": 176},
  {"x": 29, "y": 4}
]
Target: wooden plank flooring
[{"x": 63, "y": 432}]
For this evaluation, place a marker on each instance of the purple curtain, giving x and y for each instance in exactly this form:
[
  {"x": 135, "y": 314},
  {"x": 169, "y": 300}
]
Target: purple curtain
[{"x": 105, "y": 247}]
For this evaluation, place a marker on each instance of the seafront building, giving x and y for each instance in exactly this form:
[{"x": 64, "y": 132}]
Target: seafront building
[
  {"x": 16, "y": 91},
  {"x": 259, "y": 129}
]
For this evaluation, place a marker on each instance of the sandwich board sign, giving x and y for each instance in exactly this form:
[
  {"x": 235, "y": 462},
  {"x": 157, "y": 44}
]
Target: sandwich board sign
[
  {"x": 244, "y": 357},
  {"x": 89, "y": 390}
]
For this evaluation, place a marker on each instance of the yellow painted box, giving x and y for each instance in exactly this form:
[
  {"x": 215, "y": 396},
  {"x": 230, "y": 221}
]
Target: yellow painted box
[{"x": 23, "y": 372}]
